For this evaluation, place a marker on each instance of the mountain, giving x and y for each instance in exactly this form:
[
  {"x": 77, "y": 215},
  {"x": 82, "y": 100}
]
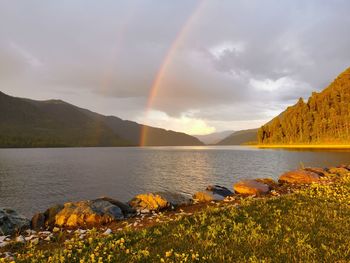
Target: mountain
[
  {"x": 55, "y": 123},
  {"x": 213, "y": 138},
  {"x": 240, "y": 137},
  {"x": 323, "y": 119}
]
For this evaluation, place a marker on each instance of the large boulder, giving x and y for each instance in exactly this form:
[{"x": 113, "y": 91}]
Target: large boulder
[
  {"x": 175, "y": 199},
  {"x": 38, "y": 221},
  {"x": 219, "y": 190},
  {"x": 212, "y": 193},
  {"x": 11, "y": 222},
  {"x": 127, "y": 210},
  {"x": 299, "y": 177},
  {"x": 149, "y": 202},
  {"x": 91, "y": 212},
  {"x": 207, "y": 196},
  {"x": 251, "y": 187},
  {"x": 46, "y": 219}
]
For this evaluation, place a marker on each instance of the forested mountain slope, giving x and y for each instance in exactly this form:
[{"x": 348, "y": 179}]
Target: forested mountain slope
[
  {"x": 323, "y": 119},
  {"x": 55, "y": 123}
]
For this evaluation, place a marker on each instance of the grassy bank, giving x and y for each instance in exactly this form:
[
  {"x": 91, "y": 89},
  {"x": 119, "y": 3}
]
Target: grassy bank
[
  {"x": 311, "y": 225},
  {"x": 303, "y": 146}
]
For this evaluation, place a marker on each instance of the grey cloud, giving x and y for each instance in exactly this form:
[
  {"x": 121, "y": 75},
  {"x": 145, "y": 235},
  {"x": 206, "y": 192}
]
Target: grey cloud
[{"x": 112, "y": 50}]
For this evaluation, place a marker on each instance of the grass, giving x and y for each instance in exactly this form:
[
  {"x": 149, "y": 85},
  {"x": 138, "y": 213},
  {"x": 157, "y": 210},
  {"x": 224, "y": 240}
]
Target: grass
[
  {"x": 311, "y": 225},
  {"x": 303, "y": 146}
]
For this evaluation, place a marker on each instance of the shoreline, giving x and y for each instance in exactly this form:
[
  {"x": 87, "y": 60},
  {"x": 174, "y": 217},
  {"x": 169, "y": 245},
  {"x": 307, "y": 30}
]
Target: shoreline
[
  {"x": 54, "y": 237},
  {"x": 301, "y": 146}
]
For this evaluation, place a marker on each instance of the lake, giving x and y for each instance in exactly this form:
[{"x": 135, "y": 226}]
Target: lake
[{"x": 31, "y": 180}]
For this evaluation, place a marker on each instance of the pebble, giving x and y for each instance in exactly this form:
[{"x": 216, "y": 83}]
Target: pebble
[
  {"x": 55, "y": 229},
  {"x": 107, "y": 232},
  {"x": 30, "y": 232},
  {"x": 3, "y": 238},
  {"x": 80, "y": 231},
  {"x": 145, "y": 211},
  {"x": 30, "y": 237},
  {"x": 20, "y": 239},
  {"x": 45, "y": 233},
  {"x": 3, "y": 244}
]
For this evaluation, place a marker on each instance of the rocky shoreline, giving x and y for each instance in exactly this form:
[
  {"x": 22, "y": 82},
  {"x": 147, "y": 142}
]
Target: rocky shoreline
[{"x": 106, "y": 215}]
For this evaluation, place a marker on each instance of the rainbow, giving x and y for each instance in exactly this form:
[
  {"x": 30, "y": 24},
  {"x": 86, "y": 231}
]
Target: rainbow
[{"x": 159, "y": 77}]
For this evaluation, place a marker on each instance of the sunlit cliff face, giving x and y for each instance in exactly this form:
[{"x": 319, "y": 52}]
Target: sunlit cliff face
[{"x": 191, "y": 66}]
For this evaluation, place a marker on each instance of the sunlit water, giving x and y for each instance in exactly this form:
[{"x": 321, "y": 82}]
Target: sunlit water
[{"x": 31, "y": 180}]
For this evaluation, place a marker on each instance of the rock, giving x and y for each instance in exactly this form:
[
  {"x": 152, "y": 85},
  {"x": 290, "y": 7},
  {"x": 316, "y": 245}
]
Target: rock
[
  {"x": 338, "y": 171},
  {"x": 107, "y": 232},
  {"x": 45, "y": 233},
  {"x": 50, "y": 214},
  {"x": 30, "y": 237},
  {"x": 3, "y": 244},
  {"x": 92, "y": 212},
  {"x": 12, "y": 222},
  {"x": 175, "y": 199},
  {"x": 321, "y": 172},
  {"x": 268, "y": 181},
  {"x": 81, "y": 231},
  {"x": 251, "y": 187},
  {"x": 299, "y": 177},
  {"x": 345, "y": 166},
  {"x": 20, "y": 239},
  {"x": 151, "y": 202},
  {"x": 3, "y": 238},
  {"x": 30, "y": 232},
  {"x": 219, "y": 190},
  {"x": 212, "y": 193},
  {"x": 207, "y": 196},
  {"x": 38, "y": 221},
  {"x": 127, "y": 210}
]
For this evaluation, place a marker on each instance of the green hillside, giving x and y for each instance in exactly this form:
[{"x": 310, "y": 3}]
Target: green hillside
[
  {"x": 323, "y": 119},
  {"x": 55, "y": 123},
  {"x": 240, "y": 137}
]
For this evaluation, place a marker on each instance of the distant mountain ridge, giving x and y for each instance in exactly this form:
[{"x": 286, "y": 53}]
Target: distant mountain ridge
[
  {"x": 240, "y": 137},
  {"x": 55, "y": 123},
  {"x": 323, "y": 119},
  {"x": 213, "y": 138}
]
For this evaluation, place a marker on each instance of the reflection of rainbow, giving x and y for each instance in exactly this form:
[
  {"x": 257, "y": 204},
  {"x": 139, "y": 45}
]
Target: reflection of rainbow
[{"x": 163, "y": 67}]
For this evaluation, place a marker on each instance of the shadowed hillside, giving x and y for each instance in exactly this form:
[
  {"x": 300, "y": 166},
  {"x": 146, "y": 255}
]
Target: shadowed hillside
[
  {"x": 55, "y": 123},
  {"x": 213, "y": 138},
  {"x": 323, "y": 119},
  {"x": 240, "y": 137}
]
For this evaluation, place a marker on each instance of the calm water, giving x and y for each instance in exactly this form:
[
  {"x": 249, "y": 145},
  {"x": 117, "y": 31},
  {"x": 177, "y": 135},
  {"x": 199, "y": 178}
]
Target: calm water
[{"x": 31, "y": 180}]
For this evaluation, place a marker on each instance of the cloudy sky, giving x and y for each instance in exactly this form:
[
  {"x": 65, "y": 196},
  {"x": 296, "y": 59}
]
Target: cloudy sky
[{"x": 212, "y": 65}]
